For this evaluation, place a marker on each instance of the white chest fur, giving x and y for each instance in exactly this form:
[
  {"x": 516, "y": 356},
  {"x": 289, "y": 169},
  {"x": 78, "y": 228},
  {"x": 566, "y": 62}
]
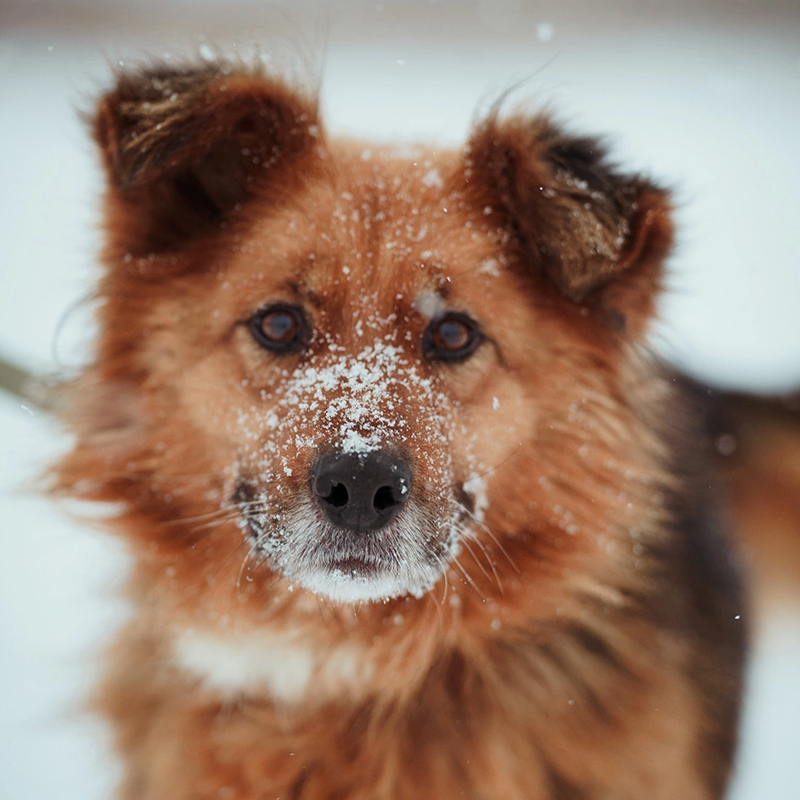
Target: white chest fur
[{"x": 276, "y": 664}]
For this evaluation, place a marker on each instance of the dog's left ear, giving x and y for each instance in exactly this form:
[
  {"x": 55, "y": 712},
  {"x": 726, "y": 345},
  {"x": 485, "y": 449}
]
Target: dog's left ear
[{"x": 599, "y": 236}]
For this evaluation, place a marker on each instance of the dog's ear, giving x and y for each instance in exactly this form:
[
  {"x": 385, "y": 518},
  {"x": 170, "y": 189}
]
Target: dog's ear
[
  {"x": 598, "y": 235},
  {"x": 184, "y": 148}
]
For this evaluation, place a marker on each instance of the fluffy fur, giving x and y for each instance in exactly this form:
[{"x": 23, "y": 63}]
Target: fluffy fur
[{"x": 553, "y": 613}]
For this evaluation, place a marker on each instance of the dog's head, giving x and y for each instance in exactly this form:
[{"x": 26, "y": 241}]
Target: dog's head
[{"x": 343, "y": 365}]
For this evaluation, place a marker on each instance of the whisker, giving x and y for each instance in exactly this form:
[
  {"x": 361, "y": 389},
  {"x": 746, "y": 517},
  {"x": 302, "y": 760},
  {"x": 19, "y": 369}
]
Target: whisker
[
  {"x": 470, "y": 536},
  {"x": 468, "y": 577},
  {"x": 466, "y": 542},
  {"x": 215, "y": 523},
  {"x": 439, "y": 604},
  {"x": 444, "y": 566},
  {"x": 233, "y": 552},
  {"x": 489, "y": 471},
  {"x": 499, "y": 545},
  {"x": 245, "y": 561},
  {"x": 484, "y": 527},
  {"x": 211, "y": 515},
  {"x": 221, "y": 515}
]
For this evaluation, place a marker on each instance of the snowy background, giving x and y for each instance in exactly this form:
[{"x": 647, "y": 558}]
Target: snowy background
[{"x": 702, "y": 95}]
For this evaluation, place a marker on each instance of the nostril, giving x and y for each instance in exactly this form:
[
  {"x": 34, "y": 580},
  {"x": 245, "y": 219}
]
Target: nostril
[
  {"x": 338, "y": 496},
  {"x": 384, "y": 498},
  {"x": 360, "y": 492}
]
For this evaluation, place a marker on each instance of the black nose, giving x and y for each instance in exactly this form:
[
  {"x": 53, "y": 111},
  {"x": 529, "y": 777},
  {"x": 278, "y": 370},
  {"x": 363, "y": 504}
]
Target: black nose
[{"x": 361, "y": 491}]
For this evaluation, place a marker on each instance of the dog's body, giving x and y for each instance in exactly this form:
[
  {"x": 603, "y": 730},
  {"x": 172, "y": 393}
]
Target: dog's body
[{"x": 399, "y": 481}]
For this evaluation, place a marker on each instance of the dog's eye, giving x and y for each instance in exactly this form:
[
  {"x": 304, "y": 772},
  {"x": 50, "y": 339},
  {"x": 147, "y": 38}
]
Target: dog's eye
[
  {"x": 452, "y": 337},
  {"x": 280, "y": 328}
]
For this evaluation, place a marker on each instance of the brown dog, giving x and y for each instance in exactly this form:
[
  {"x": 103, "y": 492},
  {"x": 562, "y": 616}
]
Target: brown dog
[{"x": 400, "y": 481}]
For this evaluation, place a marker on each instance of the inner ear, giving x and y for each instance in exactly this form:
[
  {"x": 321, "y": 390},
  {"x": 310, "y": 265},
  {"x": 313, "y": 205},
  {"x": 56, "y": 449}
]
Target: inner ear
[
  {"x": 216, "y": 184},
  {"x": 175, "y": 208},
  {"x": 185, "y": 148}
]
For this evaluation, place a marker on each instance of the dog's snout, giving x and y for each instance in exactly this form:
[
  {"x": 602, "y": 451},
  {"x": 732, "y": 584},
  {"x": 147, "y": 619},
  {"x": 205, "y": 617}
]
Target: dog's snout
[{"x": 361, "y": 491}]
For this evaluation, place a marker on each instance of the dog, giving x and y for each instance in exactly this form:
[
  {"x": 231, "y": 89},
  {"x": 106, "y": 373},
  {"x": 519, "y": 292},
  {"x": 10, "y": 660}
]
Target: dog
[{"x": 413, "y": 512}]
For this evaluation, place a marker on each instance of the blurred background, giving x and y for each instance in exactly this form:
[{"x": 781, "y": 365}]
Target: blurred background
[{"x": 704, "y": 95}]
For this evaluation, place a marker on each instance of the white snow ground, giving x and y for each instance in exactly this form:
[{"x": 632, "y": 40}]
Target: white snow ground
[{"x": 703, "y": 95}]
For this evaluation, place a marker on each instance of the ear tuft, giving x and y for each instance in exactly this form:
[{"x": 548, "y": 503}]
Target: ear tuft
[
  {"x": 182, "y": 147},
  {"x": 582, "y": 223}
]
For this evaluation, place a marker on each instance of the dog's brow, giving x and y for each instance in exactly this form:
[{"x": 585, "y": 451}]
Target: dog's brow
[
  {"x": 429, "y": 304},
  {"x": 302, "y": 292},
  {"x": 443, "y": 287}
]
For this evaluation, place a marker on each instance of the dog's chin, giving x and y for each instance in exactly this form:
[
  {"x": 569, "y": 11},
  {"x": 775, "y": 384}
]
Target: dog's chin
[
  {"x": 356, "y": 580},
  {"x": 346, "y": 584},
  {"x": 406, "y": 558}
]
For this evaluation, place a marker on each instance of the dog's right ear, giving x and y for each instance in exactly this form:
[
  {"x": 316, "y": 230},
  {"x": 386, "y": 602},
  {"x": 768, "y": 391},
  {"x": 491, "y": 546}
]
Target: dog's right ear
[{"x": 183, "y": 149}]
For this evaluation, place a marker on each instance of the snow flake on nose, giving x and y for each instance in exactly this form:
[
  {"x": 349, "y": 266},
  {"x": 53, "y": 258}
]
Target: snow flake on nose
[{"x": 358, "y": 400}]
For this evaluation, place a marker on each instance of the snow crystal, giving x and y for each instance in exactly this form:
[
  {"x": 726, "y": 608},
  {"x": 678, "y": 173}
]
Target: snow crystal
[
  {"x": 726, "y": 444},
  {"x": 355, "y": 442},
  {"x": 476, "y": 486},
  {"x": 490, "y": 267},
  {"x": 428, "y": 304},
  {"x": 433, "y": 179}
]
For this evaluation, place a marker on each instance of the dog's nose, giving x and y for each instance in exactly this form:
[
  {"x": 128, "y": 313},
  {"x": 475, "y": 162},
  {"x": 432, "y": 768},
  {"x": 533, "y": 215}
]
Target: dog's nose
[{"x": 361, "y": 491}]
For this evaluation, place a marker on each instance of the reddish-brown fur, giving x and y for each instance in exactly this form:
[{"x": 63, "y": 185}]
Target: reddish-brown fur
[
  {"x": 756, "y": 443},
  {"x": 586, "y": 641}
]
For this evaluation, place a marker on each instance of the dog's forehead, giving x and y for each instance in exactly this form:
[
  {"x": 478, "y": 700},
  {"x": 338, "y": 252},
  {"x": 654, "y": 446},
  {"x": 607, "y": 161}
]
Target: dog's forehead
[{"x": 376, "y": 224}]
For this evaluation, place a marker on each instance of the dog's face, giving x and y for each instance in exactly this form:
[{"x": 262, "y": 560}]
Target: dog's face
[
  {"x": 340, "y": 360},
  {"x": 346, "y": 367},
  {"x": 356, "y": 469}
]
